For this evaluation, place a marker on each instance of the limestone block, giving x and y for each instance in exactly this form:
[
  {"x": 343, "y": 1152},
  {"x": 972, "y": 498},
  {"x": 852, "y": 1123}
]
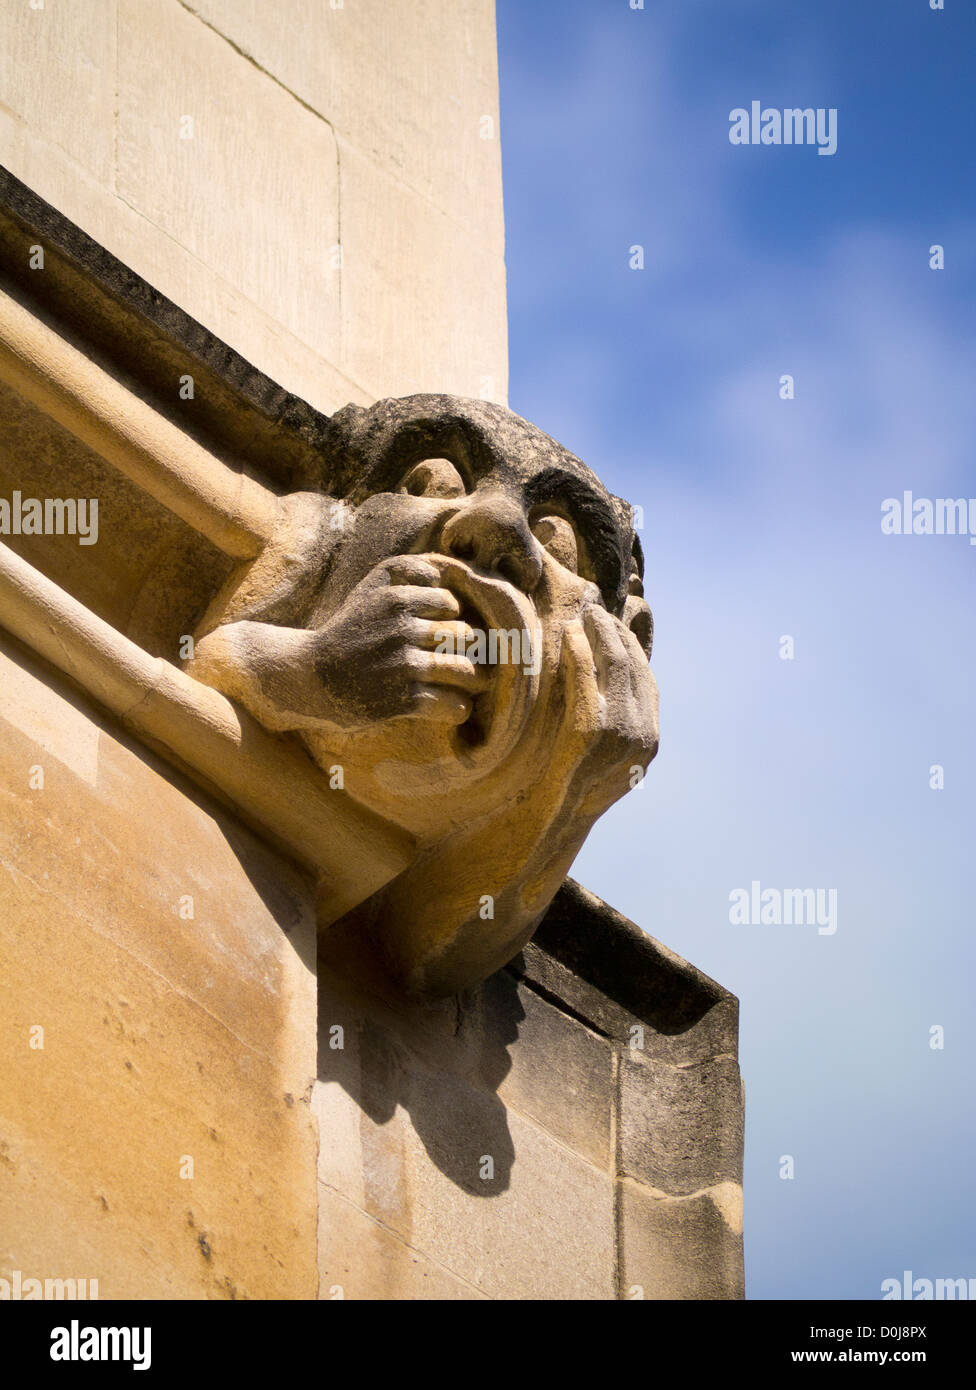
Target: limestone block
[
  {"x": 561, "y": 1072},
  {"x": 541, "y": 1227},
  {"x": 240, "y": 222},
  {"x": 680, "y": 1128},
  {"x": 360, "y": 1259},
  {"x": 412, "y": 82},
  {"x": 57, "y": 78},
  {"x": 424, "y": 1126},
  {"x": 420, "y": 295},
  {"x": 168, "y": 958},
  {"x": 335, "y": 1101},
  {"x": 57, "y": 728},
  {"x": 218, "y": 156},
  {"x": 681, "y": 1247},
  {"x": 504, "y": 1040}
]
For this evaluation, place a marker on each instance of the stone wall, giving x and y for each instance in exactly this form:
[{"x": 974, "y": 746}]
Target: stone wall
[
  {"x": 572, "y": 1129},
  {"x": 319, "y": 185},
  {"x": 156, "y": 1135}
]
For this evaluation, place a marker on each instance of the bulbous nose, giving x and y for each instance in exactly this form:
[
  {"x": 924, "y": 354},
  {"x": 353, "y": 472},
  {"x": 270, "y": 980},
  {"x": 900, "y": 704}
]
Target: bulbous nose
[{"x": 492, "y": 533}]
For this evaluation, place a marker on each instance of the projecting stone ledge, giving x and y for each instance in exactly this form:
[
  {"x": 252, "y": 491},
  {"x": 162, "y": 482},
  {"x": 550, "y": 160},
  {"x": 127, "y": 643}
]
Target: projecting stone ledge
[{"x": 679, "y": 1102}]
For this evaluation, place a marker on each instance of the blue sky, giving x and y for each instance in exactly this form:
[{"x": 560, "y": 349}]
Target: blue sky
[{"x": 761, "y": 520}]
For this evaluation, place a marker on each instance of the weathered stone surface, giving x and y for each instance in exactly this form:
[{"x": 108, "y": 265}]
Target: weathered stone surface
[
  {"x": 166, "y": 1036},
  {"x": 501, "y": 1041},
  {"x": 418, "y": 1093},
  {"x": 430, "y": 113},
  {"x": 360, "y": 1259},
  {"x": 211, "y": 139},
  {"x": 681, "y": 1247},
  {"x": 174, "y": 272},
  {"x": 507, "y": 1234},
  {"x": 419, "y": 167},
  {"x": 148, "y": 340},
  {"x": 447, "y": 348},
  {"x": 616, "y": 976},
  {"x": 144, "y": 551},
  {"x": 561, "y": 1075},
  {"x": 680, "y": 1128},
  {"x": 241, "y": 223},
  {"x": 475, "y": 1130},
  {"x": 57, "y": 78}
]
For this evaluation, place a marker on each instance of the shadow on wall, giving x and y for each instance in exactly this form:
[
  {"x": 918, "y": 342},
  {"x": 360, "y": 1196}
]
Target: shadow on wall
[{"x": 441, "y": 1065}]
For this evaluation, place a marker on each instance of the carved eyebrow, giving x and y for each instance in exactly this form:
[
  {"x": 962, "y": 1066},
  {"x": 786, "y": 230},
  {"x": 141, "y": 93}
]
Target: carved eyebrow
[
  {"x": 593, "y": 516},
  {"x": 637, "y": 550},
  {"x": 419, "y": 440}
]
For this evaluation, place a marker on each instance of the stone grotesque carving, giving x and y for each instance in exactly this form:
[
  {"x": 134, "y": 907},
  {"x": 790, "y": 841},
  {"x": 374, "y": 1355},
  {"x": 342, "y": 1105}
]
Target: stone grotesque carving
[{"x": 452, "y": 615}]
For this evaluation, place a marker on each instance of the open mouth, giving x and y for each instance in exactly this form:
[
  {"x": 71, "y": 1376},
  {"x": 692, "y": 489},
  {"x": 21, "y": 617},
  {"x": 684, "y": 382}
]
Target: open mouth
[
  {"x": 499, "y": 616},
  {"x": 473, "y": 732}
]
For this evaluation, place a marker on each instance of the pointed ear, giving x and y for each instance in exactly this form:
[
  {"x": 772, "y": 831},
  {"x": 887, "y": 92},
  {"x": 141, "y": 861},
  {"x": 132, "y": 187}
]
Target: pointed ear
[{"x": 639, "y": 618}]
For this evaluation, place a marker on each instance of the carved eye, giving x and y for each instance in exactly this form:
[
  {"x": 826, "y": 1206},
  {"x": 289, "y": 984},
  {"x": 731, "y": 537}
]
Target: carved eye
[
  {"x": 556, "y": 535},
  {"x": 433, "y": 478}
]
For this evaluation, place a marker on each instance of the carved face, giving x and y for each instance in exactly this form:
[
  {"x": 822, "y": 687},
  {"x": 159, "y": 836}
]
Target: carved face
[
  {"x": 522, "y": 534},
  {"x": 512, "y": 548}
]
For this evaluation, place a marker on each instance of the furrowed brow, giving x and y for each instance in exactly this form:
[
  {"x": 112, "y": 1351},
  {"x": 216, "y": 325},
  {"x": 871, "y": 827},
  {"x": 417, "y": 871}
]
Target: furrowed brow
[
  {"x": 427, "y": 439},
  {"x": 594, "y": 517}
]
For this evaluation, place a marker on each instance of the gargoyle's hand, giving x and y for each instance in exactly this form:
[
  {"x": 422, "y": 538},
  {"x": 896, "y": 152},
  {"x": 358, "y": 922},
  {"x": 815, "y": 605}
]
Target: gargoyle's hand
[
  {"x": 612, "y": 708},
  {"x": 372, "y": 660}
]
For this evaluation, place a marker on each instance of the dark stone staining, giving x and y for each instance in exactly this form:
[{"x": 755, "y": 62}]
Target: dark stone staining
[{"x": 601, "y": 947}]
